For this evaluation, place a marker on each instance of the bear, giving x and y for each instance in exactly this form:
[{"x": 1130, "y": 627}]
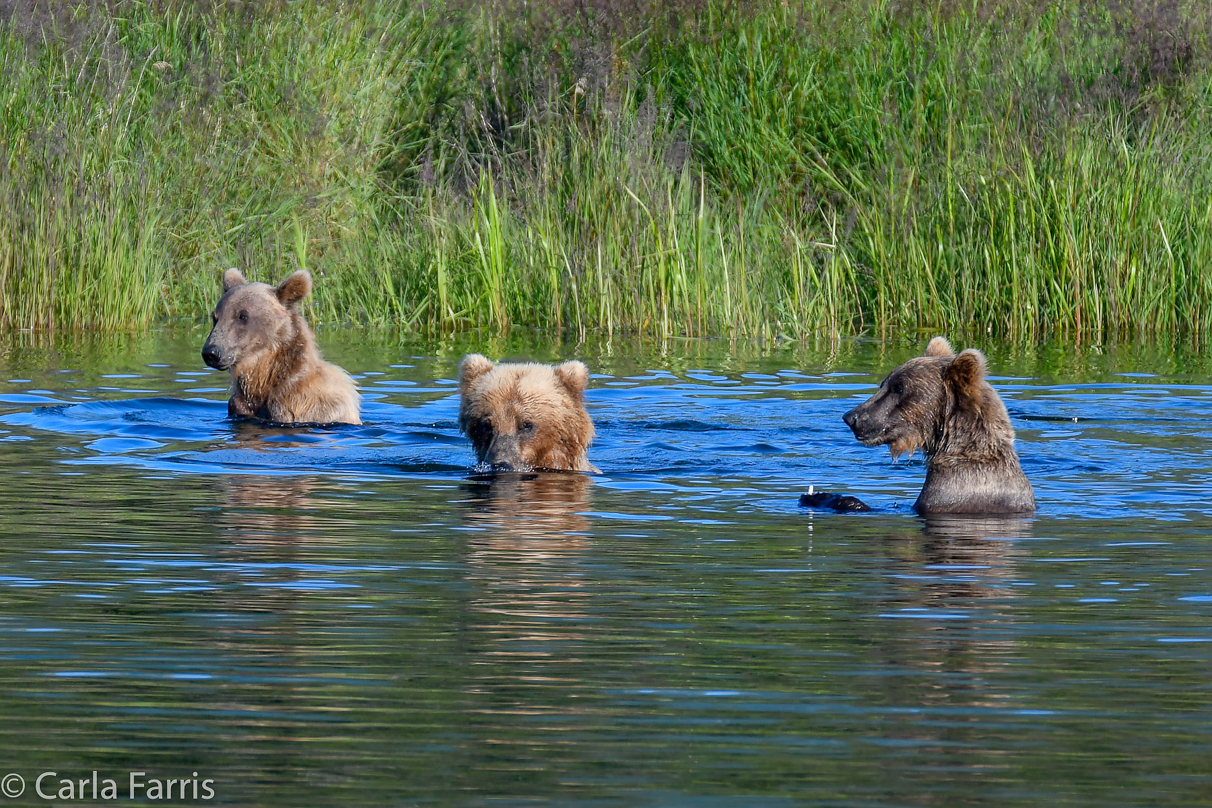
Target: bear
[
  {"x": 277, "y": 373},
  {"x": 942, "y": 404},
  {"x": 526, "y": 416}
]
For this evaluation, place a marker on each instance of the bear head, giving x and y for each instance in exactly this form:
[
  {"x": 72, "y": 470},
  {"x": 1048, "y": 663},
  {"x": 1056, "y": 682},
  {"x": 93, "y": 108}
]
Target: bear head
[
  {"x": 927, "y": 398},
  {"x": 254, "y": 320},
  {"x": 525, "y": 416}
]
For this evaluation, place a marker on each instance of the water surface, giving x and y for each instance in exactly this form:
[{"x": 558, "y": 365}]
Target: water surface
[{"x": 340, "y": 616}]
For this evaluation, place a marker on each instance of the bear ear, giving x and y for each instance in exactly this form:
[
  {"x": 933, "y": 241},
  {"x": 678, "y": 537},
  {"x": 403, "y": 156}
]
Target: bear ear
[
  {"x": 939, "y": 347},
  {"x": 232, "y": 278},
  {"x": 966, "y": 374},
  {"x": 471, "y": 368},
  {"x": 573, "y": 375},
  {"x": 294, "y": 288}
]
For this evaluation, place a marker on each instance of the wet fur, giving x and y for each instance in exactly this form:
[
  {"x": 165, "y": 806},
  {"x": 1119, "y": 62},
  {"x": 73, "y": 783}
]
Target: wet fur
[
  {"x": 526, "y": 416},
  {"x": 842, "y": 503},
  {"x": 277, "y": 373},
  {"x": 942, "y": 404}
]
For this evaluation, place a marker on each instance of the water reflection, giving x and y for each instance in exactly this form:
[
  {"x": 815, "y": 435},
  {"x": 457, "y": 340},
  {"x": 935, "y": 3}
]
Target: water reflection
[
  {"x": 529, "y": 610},
  {"x": 534, "y": 506},
  {"x": 959, "y": 565},
  {"x": 974, "y": 528},
  {"x": 262, "y": 586},
  {"x": 269, "y": 511},
  {"x": 985, "y": 548},
  {"x": 957, "y": 611},
  {"x": 524, "y": 557}
]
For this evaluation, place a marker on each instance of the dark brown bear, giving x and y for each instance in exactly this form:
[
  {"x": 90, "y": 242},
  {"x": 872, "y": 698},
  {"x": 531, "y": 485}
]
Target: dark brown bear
[
  {"x": 277, "y": 373},
  {"x": 526, "y": 416},
  {"x": 942, "y": 404}
]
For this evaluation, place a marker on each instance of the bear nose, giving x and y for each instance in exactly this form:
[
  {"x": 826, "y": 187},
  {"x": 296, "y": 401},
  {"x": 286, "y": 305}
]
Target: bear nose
[
  {"x": 851, "y": 418},
  {"x": 504, "y": 453},
  {"x": 210, "y": 355}
]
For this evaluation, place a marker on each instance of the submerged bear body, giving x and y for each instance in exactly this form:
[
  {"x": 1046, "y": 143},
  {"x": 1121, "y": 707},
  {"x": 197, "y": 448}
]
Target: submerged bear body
[
  {"x": 942, "y": 404},
  {"x": 525, "y": 416},
  {"x": 277, "y": 373}
]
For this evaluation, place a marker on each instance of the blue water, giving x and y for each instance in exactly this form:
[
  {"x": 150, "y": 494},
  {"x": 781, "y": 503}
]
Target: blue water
[{"x": 341, "y": 616}]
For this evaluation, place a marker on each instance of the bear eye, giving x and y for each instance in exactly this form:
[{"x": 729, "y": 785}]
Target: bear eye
[
  {"x": 243, "y": 317},
  {"x": 527, "y": 427},
  {"x": 897, "y": 388}
]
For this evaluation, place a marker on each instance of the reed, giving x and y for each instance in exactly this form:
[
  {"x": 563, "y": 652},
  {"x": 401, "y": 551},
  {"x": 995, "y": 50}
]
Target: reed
[{"x": 697, "y": 167}]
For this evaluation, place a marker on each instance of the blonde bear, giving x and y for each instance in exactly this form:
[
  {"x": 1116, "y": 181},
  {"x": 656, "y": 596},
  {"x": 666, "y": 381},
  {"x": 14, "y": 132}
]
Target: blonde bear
[
  {"x": 277, "y": 373},
  {"x": 523, "y": 417}
]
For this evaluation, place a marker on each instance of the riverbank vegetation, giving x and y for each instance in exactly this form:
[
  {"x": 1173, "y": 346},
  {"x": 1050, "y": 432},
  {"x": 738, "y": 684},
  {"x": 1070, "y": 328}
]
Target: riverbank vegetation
[{"x": 1018, "y": 167}]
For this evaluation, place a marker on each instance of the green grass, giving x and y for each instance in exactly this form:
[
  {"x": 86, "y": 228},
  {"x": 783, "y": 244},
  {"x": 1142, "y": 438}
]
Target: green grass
[{"x": 1022, "y": 169}]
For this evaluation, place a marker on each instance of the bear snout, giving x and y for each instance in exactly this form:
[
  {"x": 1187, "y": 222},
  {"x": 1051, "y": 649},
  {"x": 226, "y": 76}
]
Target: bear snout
[
  {"x": 212, "y": 357},
  {"x": 851, "y": 418},
  {"x": 866, "y": 428},
  {"x": 504, "y": 454}
]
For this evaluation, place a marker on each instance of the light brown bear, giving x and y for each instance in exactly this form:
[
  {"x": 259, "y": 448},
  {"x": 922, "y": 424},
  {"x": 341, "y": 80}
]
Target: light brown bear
[
  {"x": 277, "y": 373},
  {"x": 942, "y": 404},
  {"x": 526, "y": 416}
]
